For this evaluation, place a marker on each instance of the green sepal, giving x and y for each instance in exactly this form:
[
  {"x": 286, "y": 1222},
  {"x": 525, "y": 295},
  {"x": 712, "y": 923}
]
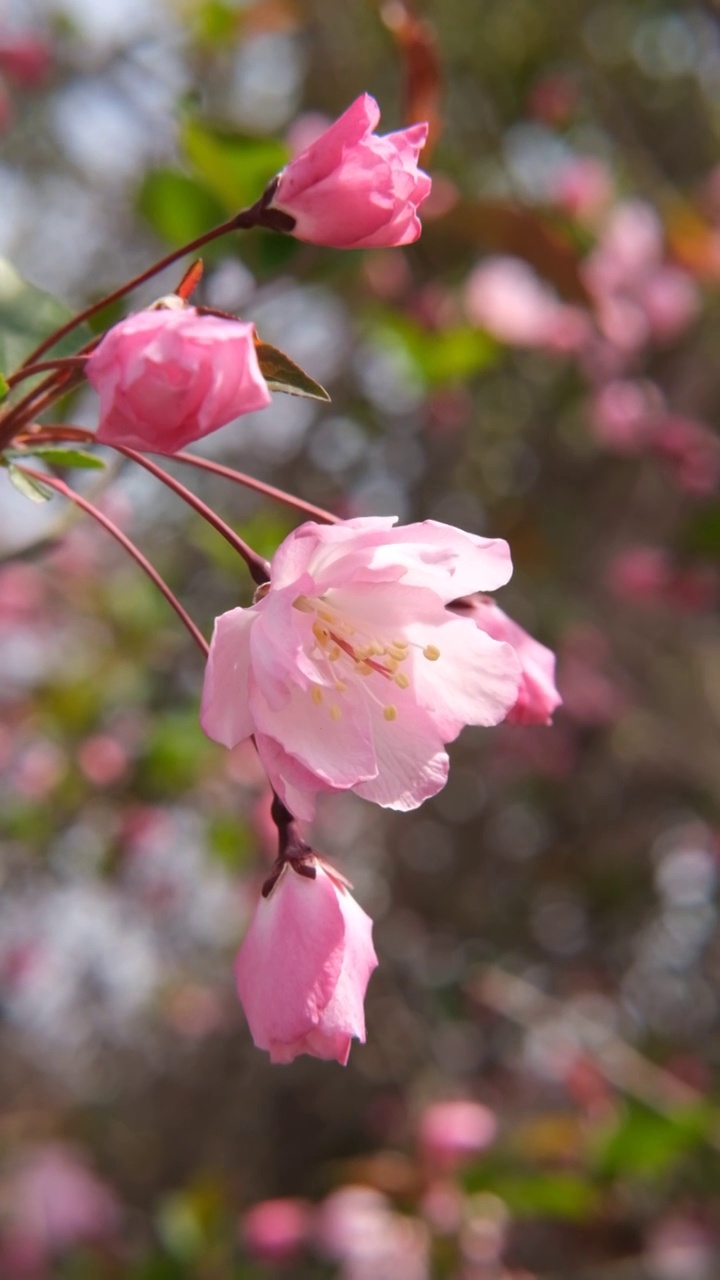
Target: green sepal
[{"x": 282, "y": 374}]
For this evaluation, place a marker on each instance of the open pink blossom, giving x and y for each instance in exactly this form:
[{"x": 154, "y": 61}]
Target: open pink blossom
[
  {"x": 350, "y": 188},
  {"x": 304, "y": 965},
  {"x": 350, "y": 669},
  {"x": 537, "y": 695},
  {"x": 166, "y": 377}
]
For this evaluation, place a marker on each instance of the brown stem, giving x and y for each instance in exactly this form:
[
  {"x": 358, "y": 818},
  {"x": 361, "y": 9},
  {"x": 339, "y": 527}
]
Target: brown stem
[
  {"x": 268, "y": 490},
  {"x": 242, "y": 221},
  {"x": 259, "y": 568},
  {"x": 62, "y": 363},
  {"x": 59, "y": 485}
]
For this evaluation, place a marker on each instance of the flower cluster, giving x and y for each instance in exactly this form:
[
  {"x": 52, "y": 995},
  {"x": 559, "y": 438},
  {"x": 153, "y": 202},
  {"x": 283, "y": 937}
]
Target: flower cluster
[{"x": 369, "y": 645}]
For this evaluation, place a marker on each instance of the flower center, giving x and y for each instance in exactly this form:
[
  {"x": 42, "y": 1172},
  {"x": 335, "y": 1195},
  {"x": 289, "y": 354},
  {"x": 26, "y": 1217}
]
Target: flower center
[{"x": 347, "y": 649}]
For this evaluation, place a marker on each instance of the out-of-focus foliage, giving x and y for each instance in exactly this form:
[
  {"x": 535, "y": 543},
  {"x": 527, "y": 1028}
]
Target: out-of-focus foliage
[{"x": 540, "y": 365}]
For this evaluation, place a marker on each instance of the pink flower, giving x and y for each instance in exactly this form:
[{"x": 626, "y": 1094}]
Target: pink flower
[
  {"x": 49, "y": 1203},
  {"x": 276, "y": 1230},
  {"x": 537, "y": 696},
  {"x": 351, "y": 189},
  {"x": 451, "y": 1133},
  {"x": 505, "y": 296},
  {"x": 304, "y": 966},
  {"x": 349, "y": 668},
  {"x": 166, "y": 377}
]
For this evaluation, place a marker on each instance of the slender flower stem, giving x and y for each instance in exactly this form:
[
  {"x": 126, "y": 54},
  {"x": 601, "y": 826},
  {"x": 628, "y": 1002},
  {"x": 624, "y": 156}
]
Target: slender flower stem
[
  {"x": 259, "y": 568},
  {"x": 59, "y": 485},
  {"x": 62, "y": 363},
  {"x": 242, "y": 221},
  {"x": 42, "y": 396},
  {"x": 268, "y": 490}
]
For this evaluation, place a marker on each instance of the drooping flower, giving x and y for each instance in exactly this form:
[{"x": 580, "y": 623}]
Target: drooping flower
[
  {"x": 350, "y": 670},
  {"x": 166, "y": 377},
  {"x": 304, "y": 965},
  {"x": 350, "y": 188},
  {"x": 537, "y": 696}
]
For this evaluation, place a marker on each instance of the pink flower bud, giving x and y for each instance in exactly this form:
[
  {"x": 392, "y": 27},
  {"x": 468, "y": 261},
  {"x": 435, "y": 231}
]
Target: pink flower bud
[
  {"x": 276, "y": 1230},
  {"x": 451, "y": 1133},
  {"x": 25, "y": 58},
  {"x": 351, "y": 189},
  {"x": 537, "y": 696},
  {"x": 304, "y": 966},
  {"x": 167, "y": 377}
]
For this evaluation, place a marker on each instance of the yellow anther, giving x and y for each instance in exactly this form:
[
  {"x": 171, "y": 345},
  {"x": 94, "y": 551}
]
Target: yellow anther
[
  {"x": 303, "y": 604},
  {"x": 390, "y": 713},
  {"x": 335, "y": 712},
  {"x": 399, "y": 643},
  {"x": 363, "y": 669},
  {"x": 320, "y": 633},
  {"x": 316, "y": 694},
  {"x": 341, "y": 686},
  {"x": 326, "y": 615},
  {"x": 396, "y": 653},
  {"x": 376, "y": 650},
  {"x": 431, "y": 652},
  {"x": 334, "y": 653},
  {"x": 391, "y": 666},
  {"x": 402, "y": 680}
]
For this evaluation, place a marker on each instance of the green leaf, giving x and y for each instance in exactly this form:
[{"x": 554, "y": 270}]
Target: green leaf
[
  {"x": 645, "y": 1144},
  {"x": 178, "y": 208},
  {"x": 60, "y": 456},
  {"x": 448, "y": 355},
  {"x": 216, "y": 23},
  {"x": 282, "y": 374},
  {"x": 4, "y": 388},
  {"x": 27, "y": 315},
  {"x": 35, "y": 490},
  {"x": 537, "y": 1193},
  {"x": 235, "y": 167}
]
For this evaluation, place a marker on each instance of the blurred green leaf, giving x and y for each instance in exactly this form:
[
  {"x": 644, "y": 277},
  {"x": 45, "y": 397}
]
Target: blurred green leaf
[
  {"x": 4, "y": 388},
  {"x": 175, "y": 750},
  {"x": 231, "y": 841},
  {"x": 541, "y": 1195},
  {"x": 701, "y": 534},
  {"x": 449, "y": 355},
  {"x": 177, "y": 207},
  {"x": 216, "y": 23},
  {"x": 646, "y": 1144},
  {"x": 27, "y": 315},
  {"x": 29, "y": 488},
  {"x": 60, "y": 456},
  {"x": 235, "y": 167},
  {"x": 282, "y": 374}
]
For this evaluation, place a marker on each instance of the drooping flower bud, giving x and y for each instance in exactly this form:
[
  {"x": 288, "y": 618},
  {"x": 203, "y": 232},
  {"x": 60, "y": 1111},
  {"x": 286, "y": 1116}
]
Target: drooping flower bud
[{"x": 304, "y": 965}]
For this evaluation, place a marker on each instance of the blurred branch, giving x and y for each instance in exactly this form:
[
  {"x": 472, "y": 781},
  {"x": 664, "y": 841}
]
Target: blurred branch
[
  {"x": 416, "y": 42},
  {"x": 621, "y": 1066}
]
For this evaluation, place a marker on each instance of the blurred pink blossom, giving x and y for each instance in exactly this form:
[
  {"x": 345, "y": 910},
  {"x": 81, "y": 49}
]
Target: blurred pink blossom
[
  {"x": 25, "y": 58},
  {"x": 304, "y": 966},
  {"x": 358, "y": 1229},
  {"x": 505, "y": 296},
  {"x": 102, "y": 759},
  {"x": 638, "y": 295},
  {"x": 584, "y": 188},
  {"x": 623, "y": 414},
  {"x": 350, "y": 188},
  {"x": 50, "y": 1202},
  {"x": 277, "y": 1230},
  {"x": 166, "y": 377},
  {"x": 451, "y": 1134}
]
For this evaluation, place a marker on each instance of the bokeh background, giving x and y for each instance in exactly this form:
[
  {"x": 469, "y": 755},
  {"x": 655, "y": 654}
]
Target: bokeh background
[{"x": 542, "y": 366}]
